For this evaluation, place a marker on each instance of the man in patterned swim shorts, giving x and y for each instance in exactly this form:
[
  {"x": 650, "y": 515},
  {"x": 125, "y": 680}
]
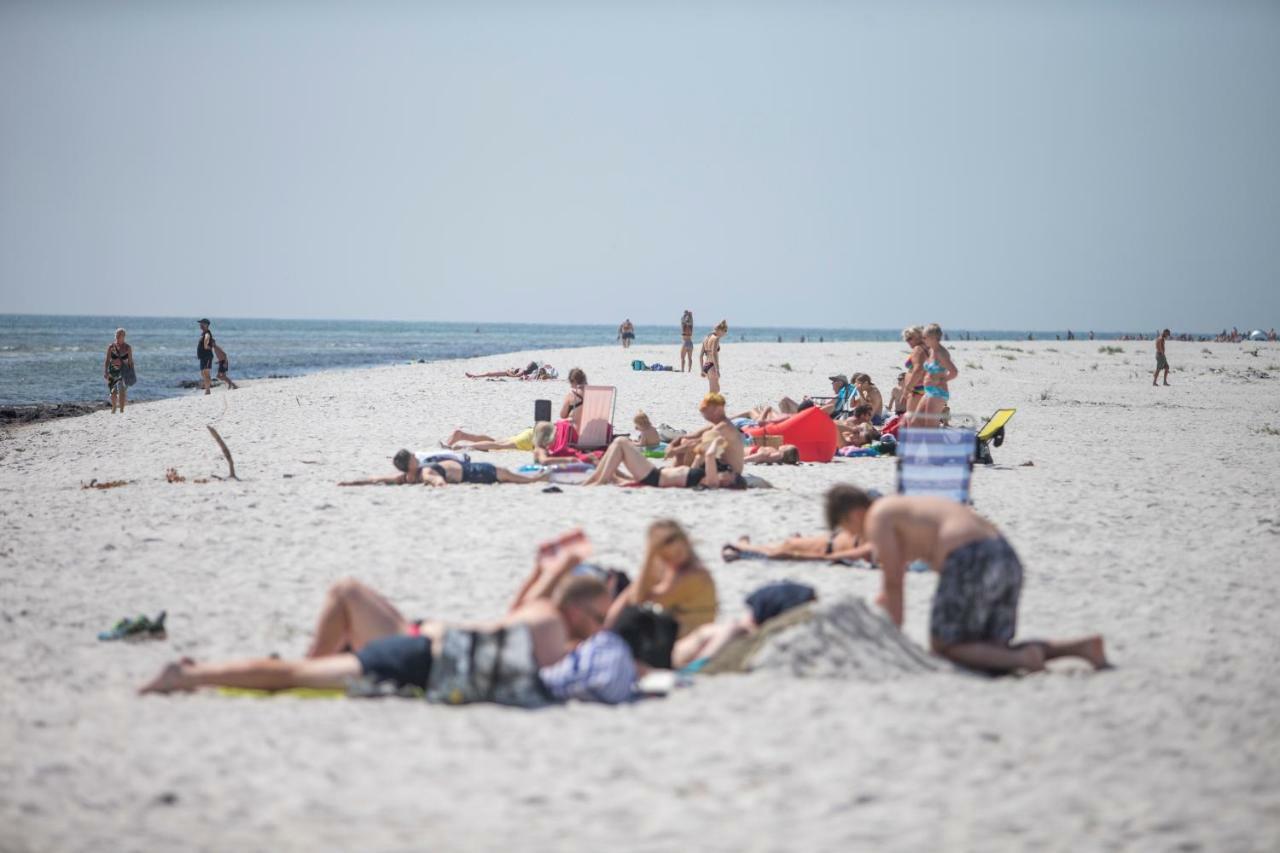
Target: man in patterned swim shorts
[{"x": 975, "y": 606}]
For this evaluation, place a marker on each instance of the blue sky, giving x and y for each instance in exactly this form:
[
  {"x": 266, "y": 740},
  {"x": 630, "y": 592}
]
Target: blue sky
[{"x": 984, "y": 165}]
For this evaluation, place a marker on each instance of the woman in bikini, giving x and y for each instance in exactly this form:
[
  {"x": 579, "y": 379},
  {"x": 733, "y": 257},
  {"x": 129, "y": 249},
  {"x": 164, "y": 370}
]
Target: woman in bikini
[
  {"x": 444, "y": 470},
  {"x": 912, "y": 389},
  {"x": 119, "y": 355},
  {"x": 686, "y": 341},
  {"x": 625, "y": 464},
  {"x": 571, "y": 408},
  {"x": 837, "y": 547},
  {"x": 673, "y": 578},
  {"x": 710, "y": 356},
  {"x": 938, "y": 370}
]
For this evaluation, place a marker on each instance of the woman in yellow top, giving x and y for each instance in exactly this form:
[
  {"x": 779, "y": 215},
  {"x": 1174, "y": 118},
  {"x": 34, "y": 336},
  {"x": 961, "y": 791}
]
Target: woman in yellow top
[
  {"x": 672, "y": 577},
  {"x": 524, "y": 440}
]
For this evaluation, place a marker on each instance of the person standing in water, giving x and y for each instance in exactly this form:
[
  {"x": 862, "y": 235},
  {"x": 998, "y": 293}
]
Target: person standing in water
[
  {"x": 119, "y": 356},
  {"x": 626, "y": 333},
  {"x": 204, "y": 352},
  {"x": 686, "y": 341},
  {"x": 1162, "y": 363},
  {"x": 710, "y": 355}
]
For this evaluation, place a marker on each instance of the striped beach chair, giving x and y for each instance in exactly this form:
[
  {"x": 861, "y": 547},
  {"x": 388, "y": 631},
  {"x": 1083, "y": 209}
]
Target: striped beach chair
[{"x": 936, "y": 462}]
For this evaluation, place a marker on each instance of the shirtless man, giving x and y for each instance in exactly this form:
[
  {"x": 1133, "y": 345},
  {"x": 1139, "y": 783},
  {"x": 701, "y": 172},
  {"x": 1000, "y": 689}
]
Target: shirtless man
[
  {"x": 361, "y": 633},
  {"x": 1162, "y": 363},
  {"x": 975, "y": 606},
  {"x": 869, "y": 394},
  {"x": 686, "y": 448}
]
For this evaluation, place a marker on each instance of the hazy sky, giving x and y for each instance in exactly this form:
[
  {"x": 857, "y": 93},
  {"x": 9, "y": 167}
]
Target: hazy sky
[{"x": 1002, "y": 165}]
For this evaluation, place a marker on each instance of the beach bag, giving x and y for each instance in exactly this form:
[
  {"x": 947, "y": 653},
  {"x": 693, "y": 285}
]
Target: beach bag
[
  {"x": 127, "y": 373},
  {"x": 481, "y": 666},
  {"x": 638, "y": 365}
]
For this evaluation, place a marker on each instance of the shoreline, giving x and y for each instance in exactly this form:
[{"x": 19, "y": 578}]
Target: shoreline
[{"x": 17, "y": 415}]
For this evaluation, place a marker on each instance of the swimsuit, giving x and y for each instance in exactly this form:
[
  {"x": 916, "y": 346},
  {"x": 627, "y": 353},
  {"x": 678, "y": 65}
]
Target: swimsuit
[
  {"x": 934, "y": 368},
  {"x": 976, "y": 599},
  {"x": 522, "y": 440},
  {"x": 403, "y": 660},
  {"x": 481, "y": 473},
  {"x": 115, "y": 372},
  {"x": 222, "y": 367}
]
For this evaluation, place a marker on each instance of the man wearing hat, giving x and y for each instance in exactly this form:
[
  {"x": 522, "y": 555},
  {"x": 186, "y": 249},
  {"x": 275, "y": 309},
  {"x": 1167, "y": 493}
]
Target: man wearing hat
[
  {"x": 844, "y": 396},
  {"x": 204, "y": 352}
]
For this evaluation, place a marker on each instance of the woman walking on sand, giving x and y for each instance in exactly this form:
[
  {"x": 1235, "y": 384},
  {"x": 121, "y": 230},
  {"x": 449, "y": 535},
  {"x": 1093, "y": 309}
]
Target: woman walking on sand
[
  {"x": 710, "y": 356},
  {"x": 938, "y": 371},
  {"x": 118, "y": 362}
]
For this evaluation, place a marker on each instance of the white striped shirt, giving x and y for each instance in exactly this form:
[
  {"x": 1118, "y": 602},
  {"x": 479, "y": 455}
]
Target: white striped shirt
[{"x": 600, "y": 669}]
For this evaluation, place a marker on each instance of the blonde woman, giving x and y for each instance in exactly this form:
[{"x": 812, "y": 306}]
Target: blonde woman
[
  {"x": 938, "y": 371},
  {"x": 710, "y": 356},
  {"x": 912, "y": 389},
  {"x": 119, "y": 356},
  {"x": 524, "y": 440},
  {"x": 673, "y": 578}
]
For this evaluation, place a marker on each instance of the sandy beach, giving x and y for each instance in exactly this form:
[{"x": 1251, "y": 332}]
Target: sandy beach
[{"x": 1150, "y": 515}]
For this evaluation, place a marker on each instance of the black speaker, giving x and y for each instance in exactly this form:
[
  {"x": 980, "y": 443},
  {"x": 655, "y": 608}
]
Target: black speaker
[{"x": 541, "y": 410}]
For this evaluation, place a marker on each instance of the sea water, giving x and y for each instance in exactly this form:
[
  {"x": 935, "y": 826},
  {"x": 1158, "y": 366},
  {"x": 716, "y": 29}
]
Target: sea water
[{"x": 59, "y": 359}]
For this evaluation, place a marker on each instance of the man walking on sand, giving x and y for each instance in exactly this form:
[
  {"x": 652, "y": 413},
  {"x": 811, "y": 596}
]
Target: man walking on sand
[
  {"x": 1162, "y": 363},
  {"x": 975, "y": 605},
  {"x": 204, "y": 352}
]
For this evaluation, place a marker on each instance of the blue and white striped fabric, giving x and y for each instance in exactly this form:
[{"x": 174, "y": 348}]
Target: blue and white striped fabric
[
  {"x": 600, "y": 669},
  {"x": 936, "y": 462}
]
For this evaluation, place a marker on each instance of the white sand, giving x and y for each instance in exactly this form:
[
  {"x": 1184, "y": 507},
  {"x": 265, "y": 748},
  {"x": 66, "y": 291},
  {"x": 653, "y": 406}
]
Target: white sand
[{"x": 1151, "y": 515}]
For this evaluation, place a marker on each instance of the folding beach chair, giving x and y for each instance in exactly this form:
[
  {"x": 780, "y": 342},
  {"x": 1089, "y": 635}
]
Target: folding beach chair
[
  {"x": 992, "y": 432},
  {"x": 597, "y": 417},
  {"x": 936, "y": 462}
]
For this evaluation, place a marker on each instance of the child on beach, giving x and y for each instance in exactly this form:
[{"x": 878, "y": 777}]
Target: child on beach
[
  {"x": 646, "y": 435},
  {"x": 1162, "y": 363},
  {"x": 975, "y": 605},
  {"x": 223, "y": 364}
]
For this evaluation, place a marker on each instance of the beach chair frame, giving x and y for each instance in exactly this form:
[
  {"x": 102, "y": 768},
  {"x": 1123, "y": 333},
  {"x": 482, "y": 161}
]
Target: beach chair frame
[
  {"x": 936, "y": 461},
  {"x": 988, "y": 436},
  {"x": 596, "y": 427}
]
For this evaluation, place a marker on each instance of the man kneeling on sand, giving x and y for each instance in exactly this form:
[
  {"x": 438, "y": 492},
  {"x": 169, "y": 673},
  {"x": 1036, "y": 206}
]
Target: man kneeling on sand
[
  {"x": 361, "y": 634},
  {"x": 975, "y": 606}
]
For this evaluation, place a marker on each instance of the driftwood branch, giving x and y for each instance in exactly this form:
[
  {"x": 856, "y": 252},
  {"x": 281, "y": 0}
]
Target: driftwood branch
[{"x": 225, "y": 452}]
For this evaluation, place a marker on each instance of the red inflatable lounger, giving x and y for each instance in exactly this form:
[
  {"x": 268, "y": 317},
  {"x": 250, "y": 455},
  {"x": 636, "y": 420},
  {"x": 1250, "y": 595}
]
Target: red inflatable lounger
[{"x": 811, "y": 431}]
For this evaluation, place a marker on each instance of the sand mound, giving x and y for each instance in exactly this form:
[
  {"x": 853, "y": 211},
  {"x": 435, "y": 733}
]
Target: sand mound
[{"x": 844, "y": 638}]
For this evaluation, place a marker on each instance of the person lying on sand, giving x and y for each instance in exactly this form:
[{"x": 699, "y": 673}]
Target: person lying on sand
[
  {"x": 857, "y": 430},
  {"x": 687, "y": 448},
  {"x": 526, "y": 440},
  {"x": 975, "y": 605},
  {"x": 625, "y": 464},
  {"x": 444, "y": 469},
  {"x": 361, "y": 634},
  {"x": 785, "y": 454},
  {"x": 839, "y": 546},
  {"x": 671, "y": 577},
  {"x": 700, "y": 646},
  {"x": 510, "y": 373}
]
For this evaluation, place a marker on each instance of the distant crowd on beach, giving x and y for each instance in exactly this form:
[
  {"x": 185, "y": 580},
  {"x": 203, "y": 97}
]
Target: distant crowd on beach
[{"x": 580, "y": 630}]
